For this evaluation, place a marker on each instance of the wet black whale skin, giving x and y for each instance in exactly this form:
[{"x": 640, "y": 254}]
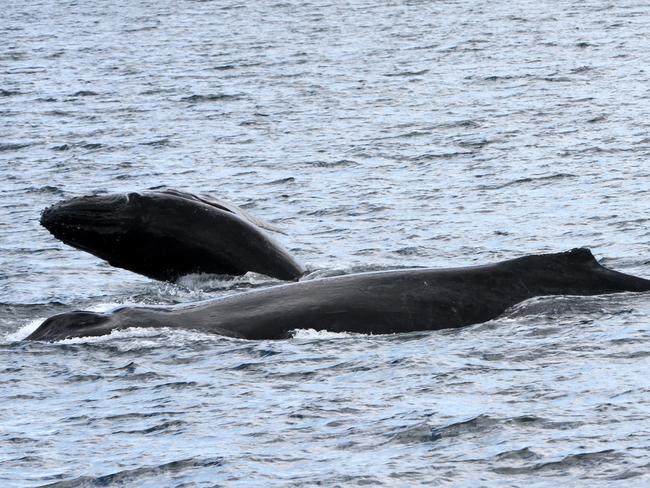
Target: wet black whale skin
[
  {"x": 371, "y": 303},
  {"x": 167, "y": 234}
]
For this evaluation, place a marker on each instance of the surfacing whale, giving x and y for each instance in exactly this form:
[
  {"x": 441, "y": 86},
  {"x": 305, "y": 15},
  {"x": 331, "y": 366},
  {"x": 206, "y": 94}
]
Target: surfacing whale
[
  {"x": 168, "y": 234},
  {"x": 371, "y": 303}
]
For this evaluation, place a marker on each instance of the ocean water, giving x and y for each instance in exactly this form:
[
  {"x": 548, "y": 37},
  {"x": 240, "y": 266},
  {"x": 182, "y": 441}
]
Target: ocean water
[{"x": 375, "y": 135}]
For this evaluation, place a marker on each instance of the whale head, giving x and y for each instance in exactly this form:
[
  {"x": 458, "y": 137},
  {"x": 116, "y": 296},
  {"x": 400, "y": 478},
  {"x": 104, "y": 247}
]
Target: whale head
[
  {"x": 94, "y": 223},
  {"x": 72, "y": 324},
  {"x": 167, "y": 234}
]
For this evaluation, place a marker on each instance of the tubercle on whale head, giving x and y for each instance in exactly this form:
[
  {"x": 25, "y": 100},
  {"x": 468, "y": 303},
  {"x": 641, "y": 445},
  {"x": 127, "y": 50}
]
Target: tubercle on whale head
[
  {"x": 96, "y": 223},
  {"x": 71, "y": 324},
  {"x": 89, "y": 215}
]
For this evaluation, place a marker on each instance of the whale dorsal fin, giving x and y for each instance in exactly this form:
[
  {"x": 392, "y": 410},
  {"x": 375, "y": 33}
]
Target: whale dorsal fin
[{"x": 580, "y": 255}]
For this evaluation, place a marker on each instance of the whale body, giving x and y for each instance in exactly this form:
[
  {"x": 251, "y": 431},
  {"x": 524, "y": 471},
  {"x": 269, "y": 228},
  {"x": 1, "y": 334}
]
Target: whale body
[
  {"x": 168, "y": 234},
  {"x": 372, "y": 303}
]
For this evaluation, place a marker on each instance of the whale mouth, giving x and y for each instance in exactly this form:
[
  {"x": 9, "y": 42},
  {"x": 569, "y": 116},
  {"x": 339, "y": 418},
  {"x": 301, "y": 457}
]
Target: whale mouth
[{"x": 79, "y": 219}]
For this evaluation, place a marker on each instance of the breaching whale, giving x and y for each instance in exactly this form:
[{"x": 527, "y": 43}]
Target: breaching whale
[
  {"x": 372, "y": 303},
  {"x": 167, "y": 234}
]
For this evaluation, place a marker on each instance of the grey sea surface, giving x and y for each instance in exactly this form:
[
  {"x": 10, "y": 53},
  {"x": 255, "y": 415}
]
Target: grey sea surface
[{"x": 375, "y": 135}]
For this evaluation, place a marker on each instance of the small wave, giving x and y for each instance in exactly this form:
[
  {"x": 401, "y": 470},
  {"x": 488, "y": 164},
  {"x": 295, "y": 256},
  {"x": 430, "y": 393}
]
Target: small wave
[
  {"x": 56, "y": 113},
  {"x": 91, "y": 145},
  {"x": 347, "y": 210},
  {"x": 407, "y": 73},
  {"x": 156, "y": 91},
  {"x": 556, "y": 79},
  {"x": 475, "y": 144},
  {"x": 171, "y": 426},
  {"x": 581, "y": 461},
  {"x": 28, "y": 70},
  {"x": 246, "y": 367},
  {"x": 334, "y": 164},
  {"x": 464, "y": 124},
  {"x": 156, "y": 143},
  {"x": 13, "y": 146},
  {"x": 582, "y": 69},
  {"x": 411, "y": 251},
  {"x": 504, "y": 77},
  {"x": 130, "y": 477},
  {"x": 281, "y": 181},
  {"x": 412, "y": 134},
  {"x": 413, "y": 434},
  {"x": 46, "y": 189},
  {"x": 121, "y": 417},
  {"x": 84, "y": 93},
  {"x": 424, "y": 432},
  {"x": 217, "y": 97},
  {"x": 477, "y": 424},
  {"x": 598, "y": 118},
  {"x": 406, "y": 135},
  {"x": 176, "y": 385},
  {"x": 140, "y": 29},
  {"x": 8, "y": 93},
  {"x": 433, "y": 156},
  {"x": 532, "y": 179},
  {"x": 524, "y": 454},
  {"x": 21, "y": 440}
]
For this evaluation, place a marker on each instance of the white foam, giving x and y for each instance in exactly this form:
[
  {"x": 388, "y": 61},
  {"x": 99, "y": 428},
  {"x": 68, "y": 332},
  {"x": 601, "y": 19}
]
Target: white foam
[
  {"x": 203, "y": 281},
  {"x": 104, "y": 307},
  {"x": 171, "y": 336},
  {"x": 24, "y": 331},
  {"x": 142, "y": 337},
  {"x": 322, "y": 334},
  {"x": 131, "y": 333}
]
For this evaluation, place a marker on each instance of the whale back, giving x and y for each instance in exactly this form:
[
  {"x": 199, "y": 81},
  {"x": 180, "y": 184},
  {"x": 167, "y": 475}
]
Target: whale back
[
  {"x": 372, "y": 303},
  {"x": 408, "y": 300}
]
